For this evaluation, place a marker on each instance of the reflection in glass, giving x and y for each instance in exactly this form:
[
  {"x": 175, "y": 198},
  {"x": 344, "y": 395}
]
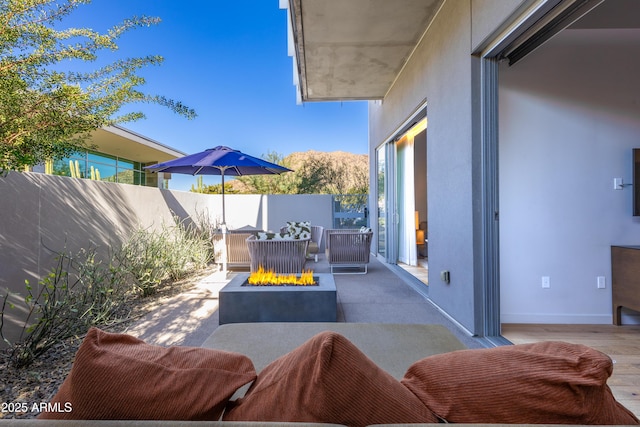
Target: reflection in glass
[
  {"x": 100, "y": 167},
  {"x": 380, "y": 172},
  {"x": 94, "y": 157},
  {"x": 103, "y": 172}
]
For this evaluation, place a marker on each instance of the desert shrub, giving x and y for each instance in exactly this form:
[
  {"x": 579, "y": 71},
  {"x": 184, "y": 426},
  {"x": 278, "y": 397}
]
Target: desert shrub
[
  {"x": 151, "y": 256},
  {"x": 104, "y": 287},
  {"x": 82, "y": 291},
  {"x": 202, "y": 230},
  {"x": 78, "y": 292},
  {"x": 144, "y": 257}
]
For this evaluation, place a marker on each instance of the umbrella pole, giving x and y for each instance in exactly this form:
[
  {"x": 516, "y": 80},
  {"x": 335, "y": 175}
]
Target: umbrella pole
[
  {"x": 224, "y": 220},
  {"x": 224, "y": 229}
]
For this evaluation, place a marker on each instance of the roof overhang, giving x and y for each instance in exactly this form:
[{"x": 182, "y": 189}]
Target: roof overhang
[
  {"x": 353, "y": 49},
  {"x": 121, "y": 142}
]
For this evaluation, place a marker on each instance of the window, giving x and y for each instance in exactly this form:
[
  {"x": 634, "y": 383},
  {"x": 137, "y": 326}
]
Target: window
[{"x": 100, "y": 167}]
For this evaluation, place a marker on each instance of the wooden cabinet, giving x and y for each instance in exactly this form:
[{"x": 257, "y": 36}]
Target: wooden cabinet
[{"x": 625, "y": 278}]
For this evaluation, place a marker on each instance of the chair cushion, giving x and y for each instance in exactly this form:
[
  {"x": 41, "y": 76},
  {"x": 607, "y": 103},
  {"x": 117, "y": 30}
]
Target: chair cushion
[
  {"x": 117, "y": 376},
  {"x": 543, "y": 383},
  {"x": 327, "y": 379}
]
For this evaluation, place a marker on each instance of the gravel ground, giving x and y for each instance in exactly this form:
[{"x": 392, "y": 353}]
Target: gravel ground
[{"x": 21, "y": 389}]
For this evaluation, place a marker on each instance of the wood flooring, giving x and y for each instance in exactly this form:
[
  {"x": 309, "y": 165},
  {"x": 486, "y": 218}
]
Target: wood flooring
[
  {"x": 621, "y": 343},
  {"x": 420, "y": 272}
]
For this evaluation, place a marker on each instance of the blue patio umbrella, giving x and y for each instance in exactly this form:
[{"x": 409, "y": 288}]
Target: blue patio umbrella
[{"x": 219, "y": 161}]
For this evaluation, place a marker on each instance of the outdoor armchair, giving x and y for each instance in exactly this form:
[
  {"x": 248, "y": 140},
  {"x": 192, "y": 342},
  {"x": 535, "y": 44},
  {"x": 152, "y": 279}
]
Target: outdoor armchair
[
  {"x": 279, "y": 255},
  {"x": 237, "y": 250},
  {"x": 327, "y": 231},
  {"x": 348, "y": 248},
  {"x": 317, "y": 232}
]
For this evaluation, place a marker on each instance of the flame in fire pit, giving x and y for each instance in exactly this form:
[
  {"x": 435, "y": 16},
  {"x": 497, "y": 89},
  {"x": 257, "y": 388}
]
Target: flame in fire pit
[{"x": 271, "y": 278}]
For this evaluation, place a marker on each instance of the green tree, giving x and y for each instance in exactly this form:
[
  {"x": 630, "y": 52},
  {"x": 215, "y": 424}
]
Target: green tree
[
  {"x": 319, "y": 176},
  {"x": 323, "y": 174},
  {"x": 314, "y": 173},
  {"x": 46, "y": 112},
  {"x": 217, "y": 189},
  {"x": 360, "y": 181},
  {"x": 285, "y": 183}
]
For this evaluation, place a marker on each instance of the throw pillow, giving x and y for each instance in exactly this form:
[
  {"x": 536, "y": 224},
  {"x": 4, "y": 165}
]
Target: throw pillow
[
  {"x": 274, "y": 236},
  {"x": 117, "y": 376},
  {"x": 543, "y": 383},
  {"x": 299, "y": 229},
  {"x": 327, "y": 380}
]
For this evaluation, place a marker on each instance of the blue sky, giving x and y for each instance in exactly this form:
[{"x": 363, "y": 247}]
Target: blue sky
[{"x": 228, "y": 61}]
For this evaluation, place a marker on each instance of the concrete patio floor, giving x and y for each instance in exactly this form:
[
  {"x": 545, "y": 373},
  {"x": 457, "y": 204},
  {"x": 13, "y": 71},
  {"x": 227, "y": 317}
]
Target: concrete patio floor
[{"x": 380, "y": 296}]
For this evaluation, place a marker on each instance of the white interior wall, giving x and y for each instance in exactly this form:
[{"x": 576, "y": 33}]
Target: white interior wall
[{"x": 569, "y": 117}]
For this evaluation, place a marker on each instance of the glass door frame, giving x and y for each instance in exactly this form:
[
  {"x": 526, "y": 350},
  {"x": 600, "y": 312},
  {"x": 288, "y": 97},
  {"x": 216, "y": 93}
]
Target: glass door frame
[{"x": 391, "y": 215}]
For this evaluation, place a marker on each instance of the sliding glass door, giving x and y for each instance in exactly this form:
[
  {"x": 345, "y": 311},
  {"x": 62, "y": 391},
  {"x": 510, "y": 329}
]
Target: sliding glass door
[
  {"x": 381, "y": 179},
  {"x": 386, "y": 203}
]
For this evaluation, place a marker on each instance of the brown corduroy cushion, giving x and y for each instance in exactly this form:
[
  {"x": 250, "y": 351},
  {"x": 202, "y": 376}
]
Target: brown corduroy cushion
[
  {"x": 328, "y": 379},
  {"x": 548, "y": 382},
  {"x": 117, "y": 376}
]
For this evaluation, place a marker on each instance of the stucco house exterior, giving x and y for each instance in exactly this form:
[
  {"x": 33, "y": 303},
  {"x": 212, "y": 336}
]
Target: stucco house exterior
[{"x": 530, "y": 111}]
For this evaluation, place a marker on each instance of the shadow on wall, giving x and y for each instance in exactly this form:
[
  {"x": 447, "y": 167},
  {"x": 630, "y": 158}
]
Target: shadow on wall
[
  {"x": 44, "y": 215},
  {"x": 76, "y": 213},
  {"x": 50, "y": 214},
  {"x": 176, "y": 207}
]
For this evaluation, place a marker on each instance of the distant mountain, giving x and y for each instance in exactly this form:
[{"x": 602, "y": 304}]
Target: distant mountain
[
  {"x": 315, "y": 172},
  {"x": 299, "y": 158}
]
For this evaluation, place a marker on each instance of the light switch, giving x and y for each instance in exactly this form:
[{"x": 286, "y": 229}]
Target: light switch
[
  {"x": 602, "y": 283},
  {"x": 546, "y": 283}
]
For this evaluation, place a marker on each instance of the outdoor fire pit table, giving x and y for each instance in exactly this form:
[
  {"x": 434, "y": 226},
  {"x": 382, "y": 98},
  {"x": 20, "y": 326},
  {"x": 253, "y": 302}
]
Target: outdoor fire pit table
[{"x": 244, "y": 303}]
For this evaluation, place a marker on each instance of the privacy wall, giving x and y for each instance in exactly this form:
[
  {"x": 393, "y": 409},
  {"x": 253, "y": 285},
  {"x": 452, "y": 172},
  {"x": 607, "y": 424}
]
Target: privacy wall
[{"x": 44, "y": 214}]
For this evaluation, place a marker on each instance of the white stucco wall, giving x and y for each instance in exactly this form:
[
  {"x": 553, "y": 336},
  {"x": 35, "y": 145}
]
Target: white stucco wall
[
  {"x": 489, "y": 18},
  {"x": 569, "y": 118}
]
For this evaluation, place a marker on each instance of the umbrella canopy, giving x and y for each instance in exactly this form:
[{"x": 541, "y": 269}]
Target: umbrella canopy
[{"x": 219, "y": 161}]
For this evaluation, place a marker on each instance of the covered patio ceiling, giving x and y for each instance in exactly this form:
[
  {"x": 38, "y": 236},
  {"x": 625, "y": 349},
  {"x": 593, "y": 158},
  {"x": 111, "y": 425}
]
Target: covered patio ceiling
[{"x": 353, "y": 49}]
